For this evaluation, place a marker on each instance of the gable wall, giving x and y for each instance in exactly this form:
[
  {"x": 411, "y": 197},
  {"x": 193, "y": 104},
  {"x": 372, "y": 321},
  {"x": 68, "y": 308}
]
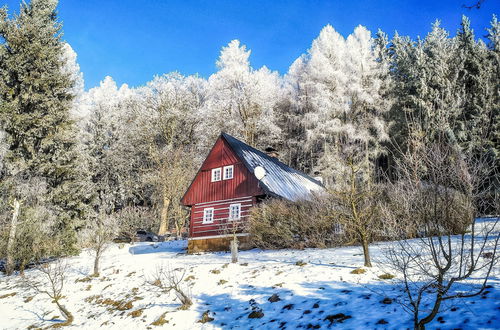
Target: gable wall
[{"x": 242, "y": 184}]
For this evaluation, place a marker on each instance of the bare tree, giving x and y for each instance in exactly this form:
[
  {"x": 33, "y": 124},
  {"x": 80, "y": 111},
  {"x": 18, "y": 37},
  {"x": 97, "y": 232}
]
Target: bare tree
[
  {"x": 167, "y": 280},
  {"x": 51, "y": 283},
  {"x": 355, "y": 197},
  {"x": 9, "y": 266},
  {"x": 439, "y": 193},
  {"x": 30, "y": 226},
  {"x": 97, "y": 237},
  {"x": 230, "y": 228}
]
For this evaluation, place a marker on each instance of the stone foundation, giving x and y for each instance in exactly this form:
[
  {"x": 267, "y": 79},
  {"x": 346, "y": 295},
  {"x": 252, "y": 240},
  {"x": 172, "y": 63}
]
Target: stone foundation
[{"x": 217, "y": 244}]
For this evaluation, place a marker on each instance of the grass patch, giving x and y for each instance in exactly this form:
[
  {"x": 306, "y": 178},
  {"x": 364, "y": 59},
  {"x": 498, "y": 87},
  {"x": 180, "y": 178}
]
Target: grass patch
[
  {"x": 386, "y": 276},
  {"x": 300, "y": 263},
  {"x": 225, "y": 265},
  {"x": 119, "y": 305},
  {"x": 205, "y": 317},
  {"x": 190, "y": 278},
  {"x": 130, "y": 274},
  {"x": 215, "y": 271},
  {"x": 83, "y": 280},
  {"x": 221, "y": 282},
  {"x": 136, "y": 313},
  {"x": 88, "y": 287},
  {"x": 93, "y": 298},
  {"x": 12, "y": 294},
  {"x": 28, "y": 299},
  {"x": 161, "y": 320},
  {"x": 358, "y": 271}
]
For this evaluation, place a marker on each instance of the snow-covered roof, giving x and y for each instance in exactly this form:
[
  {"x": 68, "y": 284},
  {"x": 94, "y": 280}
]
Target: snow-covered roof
[{"x": 280, "y": 180}]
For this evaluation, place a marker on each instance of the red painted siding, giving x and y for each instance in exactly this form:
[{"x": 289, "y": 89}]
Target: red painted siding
[
  {"x": 203, "y": 190},
  {"x": 203, "y": 193},
  {"x": 221, "y": 225}
]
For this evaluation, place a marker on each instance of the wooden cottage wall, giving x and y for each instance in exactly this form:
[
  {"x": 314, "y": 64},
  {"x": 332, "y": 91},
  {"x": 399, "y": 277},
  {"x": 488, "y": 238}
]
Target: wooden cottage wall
[
  {"x": 242, "y": 184},
  {"x": 203, "y": 193}
]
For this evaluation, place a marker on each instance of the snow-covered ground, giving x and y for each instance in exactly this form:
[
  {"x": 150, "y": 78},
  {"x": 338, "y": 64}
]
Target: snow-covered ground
[{"x": 314, "y": 288}]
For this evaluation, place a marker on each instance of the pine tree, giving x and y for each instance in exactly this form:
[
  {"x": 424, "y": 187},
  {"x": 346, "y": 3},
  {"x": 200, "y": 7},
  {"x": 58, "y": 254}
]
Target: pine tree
[
  {"x": 477, "y": 86},
  {"x": 37, "y": 97}
]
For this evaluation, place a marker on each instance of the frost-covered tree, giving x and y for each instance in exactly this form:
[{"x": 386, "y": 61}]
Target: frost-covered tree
[
  {"x": 168, "y": 125},
  {"x": 478, "y": 88},
  {"x": 101, "y": 137},
  {"x": 241, "y": 100},
  {"x": 36, "y": 95},
  {"x": 335, "y": 94}
]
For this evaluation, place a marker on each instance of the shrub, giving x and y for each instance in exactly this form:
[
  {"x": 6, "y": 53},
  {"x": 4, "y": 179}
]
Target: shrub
[{"x": 278, "y": 224}]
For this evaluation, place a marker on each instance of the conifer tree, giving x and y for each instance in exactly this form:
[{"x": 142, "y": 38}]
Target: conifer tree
[
  {"x": 478, "y": 89},
  {"x": 37, "y": 96}
]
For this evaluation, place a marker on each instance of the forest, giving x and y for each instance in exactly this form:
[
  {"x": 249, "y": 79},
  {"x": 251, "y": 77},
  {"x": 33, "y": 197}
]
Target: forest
[{"x": 391, "y": 125}]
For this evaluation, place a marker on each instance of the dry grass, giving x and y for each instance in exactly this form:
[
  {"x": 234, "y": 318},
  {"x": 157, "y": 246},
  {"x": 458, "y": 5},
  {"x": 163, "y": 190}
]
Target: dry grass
[
  {"x": 161, "y": 320},
  {"x": 221, "y": 282},
  {"x": 12, "y": 294},
  {"x": 83, "y": 280},
  {"x": 386, "y": 276},
  {"x": 136, "y": 313},
  {"x": 358, "y": 271}
]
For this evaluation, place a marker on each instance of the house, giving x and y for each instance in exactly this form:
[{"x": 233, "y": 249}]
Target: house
[{"x": 233, "y": 178}]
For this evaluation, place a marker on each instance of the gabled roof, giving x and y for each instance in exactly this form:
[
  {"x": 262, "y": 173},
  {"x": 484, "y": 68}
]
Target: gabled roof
[{"x": 280, "y": 180}]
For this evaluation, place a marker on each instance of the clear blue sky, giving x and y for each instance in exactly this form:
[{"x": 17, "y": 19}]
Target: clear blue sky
[{"x": 132, "y": 40}]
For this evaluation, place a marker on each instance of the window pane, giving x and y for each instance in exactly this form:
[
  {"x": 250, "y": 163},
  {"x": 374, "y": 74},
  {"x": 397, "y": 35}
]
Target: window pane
[
  {"x": 228, "y": 172},
  {"x": 216, "y": 174},
  {"x": 234, "y": 211}
]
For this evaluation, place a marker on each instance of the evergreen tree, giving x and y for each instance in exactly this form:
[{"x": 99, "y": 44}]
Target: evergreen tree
[
  {"x": 477, "y": 86},
  {"x": 37, "y": 96}
]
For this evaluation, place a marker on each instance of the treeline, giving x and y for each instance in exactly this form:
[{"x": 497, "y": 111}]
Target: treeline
[{"x": 71, "y": 159}]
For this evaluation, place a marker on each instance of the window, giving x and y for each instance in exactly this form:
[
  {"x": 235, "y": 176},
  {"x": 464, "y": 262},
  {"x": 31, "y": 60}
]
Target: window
[
  {"x": 337, "y": 228},
  {"x": 216, "y": 174},
  {"x": 228, "y": 172},
  {"x": 234, "y": 211},
  {"x": 208, "y": 215}
]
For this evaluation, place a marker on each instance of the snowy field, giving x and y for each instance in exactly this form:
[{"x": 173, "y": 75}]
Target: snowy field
[{"x": 312, "y": 288}]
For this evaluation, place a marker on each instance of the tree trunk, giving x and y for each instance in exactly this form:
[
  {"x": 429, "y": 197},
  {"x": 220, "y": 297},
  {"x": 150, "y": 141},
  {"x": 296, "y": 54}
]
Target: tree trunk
[
  {"x": 234, "y": 250},
  {"x": 67, "y": 314},
  {"x": 96, "y": 265},
  {"x": 9, "y": 268},
  {"x": 164, "y": 216},
  {"x": 366, "y": 252}
]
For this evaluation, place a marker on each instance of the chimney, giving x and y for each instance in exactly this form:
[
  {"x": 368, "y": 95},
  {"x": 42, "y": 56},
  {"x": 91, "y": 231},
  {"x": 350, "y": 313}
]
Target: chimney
[
  {"x": 317, "y": 177},
  {"x": 271, "y": 152}
]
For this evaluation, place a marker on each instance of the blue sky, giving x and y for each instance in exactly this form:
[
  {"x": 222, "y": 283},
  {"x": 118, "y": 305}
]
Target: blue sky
[{"x": 134, "y": 40}]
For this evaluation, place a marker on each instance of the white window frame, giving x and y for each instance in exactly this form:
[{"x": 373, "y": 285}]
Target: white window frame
[
  {"x": 234, "y": 206},
  {"x": 232, "y": 172},
  {"x": 338, "y": 228},
  {"x": 208, "y": 215},
  {"x": 214, "y": 174}
]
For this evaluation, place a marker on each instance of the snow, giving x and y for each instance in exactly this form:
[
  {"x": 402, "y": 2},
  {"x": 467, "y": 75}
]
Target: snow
[
  {"x": 309, "y": 295},
  {"x": 280, "y": 180}
]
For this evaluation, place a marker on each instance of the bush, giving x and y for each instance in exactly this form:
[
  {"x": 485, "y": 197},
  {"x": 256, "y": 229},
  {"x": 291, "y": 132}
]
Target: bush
[{"x": 278, "y": 224}]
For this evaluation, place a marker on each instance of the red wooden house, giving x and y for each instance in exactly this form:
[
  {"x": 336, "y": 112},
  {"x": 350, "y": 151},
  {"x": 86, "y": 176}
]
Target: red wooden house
[{"x": 226, "y": 187}]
